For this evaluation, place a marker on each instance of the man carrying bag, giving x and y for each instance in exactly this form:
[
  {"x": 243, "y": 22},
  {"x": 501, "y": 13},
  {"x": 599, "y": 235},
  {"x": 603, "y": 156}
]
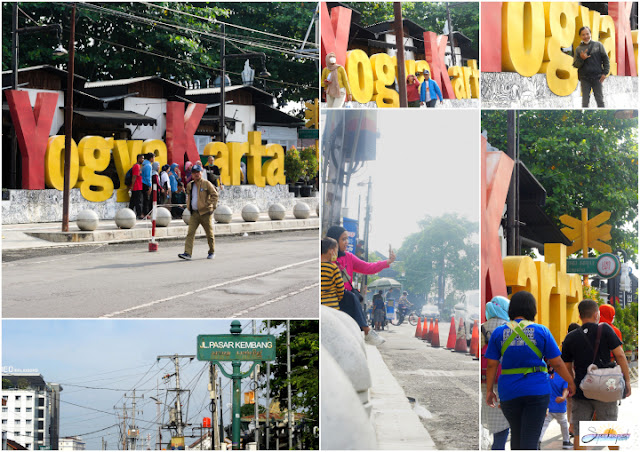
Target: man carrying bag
[{"x": 580, "y": 350}]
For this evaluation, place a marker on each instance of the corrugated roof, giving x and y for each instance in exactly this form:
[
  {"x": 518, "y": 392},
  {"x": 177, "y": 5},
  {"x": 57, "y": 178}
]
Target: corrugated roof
[
  {"x": 128, "y": 81},
  {"x": 216, "y": 90}
]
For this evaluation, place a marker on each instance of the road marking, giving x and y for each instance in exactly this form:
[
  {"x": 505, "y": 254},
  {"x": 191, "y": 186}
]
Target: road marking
[
  {"x": 266, "y": 303},
  {"x": 214, "y": 286}
]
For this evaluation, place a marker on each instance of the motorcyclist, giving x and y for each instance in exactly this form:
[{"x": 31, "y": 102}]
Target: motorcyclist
[{"x": 404, "y": 304}]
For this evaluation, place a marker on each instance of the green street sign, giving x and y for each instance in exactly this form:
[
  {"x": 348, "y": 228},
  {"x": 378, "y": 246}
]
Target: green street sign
[
  {"x": 606, "y": 266},
  {"x": 236, "y": 347},
  {"x": 309, "y": 133}
]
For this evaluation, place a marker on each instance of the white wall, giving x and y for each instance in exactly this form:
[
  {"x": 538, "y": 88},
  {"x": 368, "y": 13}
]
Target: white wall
[
  {"x": 58, "y": 117},
  {"x": 408, "y": 54},
  {"x": 285, "y": 136},
  {"x": 246, "y": 114},
  {"x": 154, "y": 108}
]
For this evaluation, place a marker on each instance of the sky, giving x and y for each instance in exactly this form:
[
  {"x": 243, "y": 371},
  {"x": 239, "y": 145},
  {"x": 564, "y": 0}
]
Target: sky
[
  {"x": 114, "y": 356},
  {"x": 427, "y": 163}
]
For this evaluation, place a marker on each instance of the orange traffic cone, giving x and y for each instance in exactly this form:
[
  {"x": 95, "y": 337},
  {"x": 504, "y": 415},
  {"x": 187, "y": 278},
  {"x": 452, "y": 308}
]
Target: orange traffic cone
[
  {"x": 430, "y": 332},
  {"x": 461, "y": 338},
  {"x": 435, "y": 337},
  {"x": 425, "y": 327},
  {"x": 419, "y": 328},
  {"x": 473, "y": 348},
  {"x": 451, "y": 341}
]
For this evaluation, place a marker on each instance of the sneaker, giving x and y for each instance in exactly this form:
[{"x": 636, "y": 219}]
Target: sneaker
[
  {"x": 185, "y": 256},
  {"x": 567, "y": 445},
  {"x": 211, "y": 255},
  {"x": 374, "y": 338}
]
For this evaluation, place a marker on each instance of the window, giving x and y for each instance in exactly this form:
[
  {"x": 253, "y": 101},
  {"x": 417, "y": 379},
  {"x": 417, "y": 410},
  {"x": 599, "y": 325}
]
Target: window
[
  {"x": 40, "y": 436},
  {"x": 29, "y": 398},
  {"x": 5, "y": 409},
  {"x": 29, "y": 421},
  {"x": 17, "y": 398},
  {"x": 17, "y": 421},
  {"x": 28, "y": 434},
  {"x": 4, "y": 421},
  {"x": 40, "y": 425},
  {"x": 16, "y": 434},
  {"x": 41, "y": 401},
  {"x": 28, "y": 446},
  {"x": 17, "y": 409},
  {"x": 29, "y": 409}
]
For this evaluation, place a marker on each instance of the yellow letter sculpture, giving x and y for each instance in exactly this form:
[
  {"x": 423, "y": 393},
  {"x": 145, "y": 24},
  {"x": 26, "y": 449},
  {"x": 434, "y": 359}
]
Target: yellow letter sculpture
[
  {"x": 523, "y": 37},
  {"x": 95, "y": 155},
  {"x": 360, "y": 75},
  {"x": 54, "y": 163}
]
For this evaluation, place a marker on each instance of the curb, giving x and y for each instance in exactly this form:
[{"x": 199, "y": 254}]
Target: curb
[{"x": 397, "y": 426}]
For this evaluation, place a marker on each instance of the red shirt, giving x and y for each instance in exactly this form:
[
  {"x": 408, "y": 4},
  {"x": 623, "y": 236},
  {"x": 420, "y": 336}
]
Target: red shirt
[
  {"x": 413, "y": 91},
  {"x": 135, "y": 171}
]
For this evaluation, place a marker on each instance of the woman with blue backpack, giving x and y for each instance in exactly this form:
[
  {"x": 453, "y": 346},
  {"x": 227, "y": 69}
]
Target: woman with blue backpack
[{"x": 521, "y": 347}]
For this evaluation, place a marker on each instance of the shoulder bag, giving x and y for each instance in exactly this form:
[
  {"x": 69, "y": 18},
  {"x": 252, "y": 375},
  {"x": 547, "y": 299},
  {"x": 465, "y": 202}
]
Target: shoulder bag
[{"x": 605, "y": 384}]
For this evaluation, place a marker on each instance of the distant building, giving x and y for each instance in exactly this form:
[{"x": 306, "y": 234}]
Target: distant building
[
  {"x": 71, "y": 443},
  {"x": 30, "y": 410}
]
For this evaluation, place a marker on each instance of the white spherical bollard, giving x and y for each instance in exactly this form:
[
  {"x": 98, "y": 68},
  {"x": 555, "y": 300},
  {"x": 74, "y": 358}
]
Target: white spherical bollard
[
  {"x": 87, "y": 220},
  {"x": 250, "y": 212},
  {"x": 301, "y": 211},
  {"x": 276, "y": 211},
  {"x": 125, "y": 218},
  {"x": 163, "y": 217},
  {"x": 223, "y": 214},
  {"x": 186, "y": 215}
]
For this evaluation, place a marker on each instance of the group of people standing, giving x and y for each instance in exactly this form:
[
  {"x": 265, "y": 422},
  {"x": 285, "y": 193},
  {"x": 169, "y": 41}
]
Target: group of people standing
[{"x": 528, "y": 381}]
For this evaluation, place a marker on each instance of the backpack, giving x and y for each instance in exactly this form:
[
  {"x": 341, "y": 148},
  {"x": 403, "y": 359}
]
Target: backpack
[
  {"x": 605, "y": 384},
  {"x": 127, "y": 177}
]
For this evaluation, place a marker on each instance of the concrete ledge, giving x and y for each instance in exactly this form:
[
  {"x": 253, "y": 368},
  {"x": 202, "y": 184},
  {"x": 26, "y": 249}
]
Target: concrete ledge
[{"x": 397, "y": 426}]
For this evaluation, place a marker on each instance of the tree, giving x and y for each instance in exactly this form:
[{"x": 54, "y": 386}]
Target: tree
[
  {"x": 582, "y": 159},
  {"x": 444, "y": 245},
  {"x": 305, "y": 370},
  {"x": 123, "y": 40},
  {"x": 432, "y": 16}
]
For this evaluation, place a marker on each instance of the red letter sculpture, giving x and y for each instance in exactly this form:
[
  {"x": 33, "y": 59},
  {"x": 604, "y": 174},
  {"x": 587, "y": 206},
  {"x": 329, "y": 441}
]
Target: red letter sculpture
[
  {"x": 181, "y": 127},
  {"x": 334, "y": 33},
  {"x": 491, "y": 26},
  {"x": 434, "y": 54},
  {"x": 32, "y": 127},
  {"x": 620, "y": 12}
]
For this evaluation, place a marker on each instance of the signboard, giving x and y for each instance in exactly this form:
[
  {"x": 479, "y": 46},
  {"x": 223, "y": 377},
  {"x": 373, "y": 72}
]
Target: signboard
[
  {"x": 234, "y": 347},
  {"x": 309, "y": 133},
  {"x": 606, "y": 266},
  {"x": 351, "y": 226}
]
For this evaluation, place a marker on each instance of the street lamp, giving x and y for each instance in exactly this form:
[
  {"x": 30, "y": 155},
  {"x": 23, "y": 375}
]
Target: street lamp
[
  {"x": 15, "y": 33},
  {"x": 223, "y": 58}
]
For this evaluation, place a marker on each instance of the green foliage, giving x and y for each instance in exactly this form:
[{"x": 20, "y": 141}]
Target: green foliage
[
  {"x": 6, "y": 383},
  {"x": 22, "y": 383},
  {"x": 248, "y": 409},
  {"x": 432, "y": 16},
  {"x": 294, "y": 167},
  {"x": 441, "y": 241},
  {"x": 627, "y": 321},
  {"x": 310, "y": 162},
  {"x": 305, "y": 370},
  {"x": 592, "y": 293},
  {"x": 117, "y": 47},
  {"x": 583, "y": 159}
]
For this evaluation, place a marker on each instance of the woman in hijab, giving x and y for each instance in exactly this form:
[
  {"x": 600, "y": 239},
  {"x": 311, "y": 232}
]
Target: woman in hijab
[
  {"x": 187, "y": 173},
  {"x": 173, "y": 177},
  {"x": 607, "y": 314},
  {"x": 497, "y": 313},
  {"x": 155, "y": 179},
  {"x": 335, "y": 82}
]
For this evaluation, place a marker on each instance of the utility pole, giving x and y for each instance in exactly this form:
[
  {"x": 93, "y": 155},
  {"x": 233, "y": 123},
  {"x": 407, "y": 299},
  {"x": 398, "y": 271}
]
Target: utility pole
[
  {"x": 158, "y": 403},
  {"x": 221, "y": 426},
  {"x": 367, "y": 220},
  {"x": 289, "y": 384},
  {"x": 68, "y": 123},
  {"x": 255, "y": 397},
  {"x": 453, "y": 50},
  {"x": 223, "y": 135},
  {"x": 268, "y": 394},
  {"x": 512, "y": 220},
  {"x": 134, "y": 429},
  {"x": 213, "y": 394},
  {"x": 176, "y": 361},
  {"x": 402, "y": 77}
]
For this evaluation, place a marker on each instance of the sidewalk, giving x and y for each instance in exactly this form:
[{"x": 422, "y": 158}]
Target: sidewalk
[
  {"x": 49, "y": 235},
  {"x": 397, "y": 426}
]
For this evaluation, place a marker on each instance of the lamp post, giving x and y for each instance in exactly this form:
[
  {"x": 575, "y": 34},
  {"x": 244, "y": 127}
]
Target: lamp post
[
  {"x": 15, "y": 44},
  {"x": 223, "y": 60}
]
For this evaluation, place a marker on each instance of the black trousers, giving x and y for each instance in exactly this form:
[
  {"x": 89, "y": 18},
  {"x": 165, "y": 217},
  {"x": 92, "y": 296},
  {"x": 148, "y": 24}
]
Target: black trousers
[
  {"x": 588, "y": 84},
  {"x": 135, "y": 203},
  {"x": 146, "y": 199}
]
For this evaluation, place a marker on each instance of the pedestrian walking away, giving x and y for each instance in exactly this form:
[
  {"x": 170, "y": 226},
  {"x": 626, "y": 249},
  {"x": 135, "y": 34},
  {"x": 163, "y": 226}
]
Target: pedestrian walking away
[
  {"x": 497, "y": 313},
  {"x": 523, "y": 386},
  {"x": 202, "y": 199},
  {"x": 592, "y": 61},
  {"x": 579, "y": 351},
  {"x": 557, "y": 408}
]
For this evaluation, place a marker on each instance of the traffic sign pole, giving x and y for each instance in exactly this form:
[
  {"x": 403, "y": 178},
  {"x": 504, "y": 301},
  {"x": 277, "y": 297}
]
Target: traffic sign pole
[{"x": 235, "y": 425}]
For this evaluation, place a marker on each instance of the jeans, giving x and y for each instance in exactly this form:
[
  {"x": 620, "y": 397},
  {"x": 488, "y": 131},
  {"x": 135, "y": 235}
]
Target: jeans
[
  {"x": 350, "y": 305},
  {"x": 526, "y": 416},
  {"x": 587, "y": 84},
  {"x": 500, "y": 439},
  {"x": 431, "y": 103}
]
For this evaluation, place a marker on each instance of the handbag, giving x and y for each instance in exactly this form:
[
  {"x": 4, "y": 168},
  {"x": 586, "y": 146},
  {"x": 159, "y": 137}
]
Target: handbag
[
  {"x": 346, "y": 279},
  {"x": 605, "y": 384}
]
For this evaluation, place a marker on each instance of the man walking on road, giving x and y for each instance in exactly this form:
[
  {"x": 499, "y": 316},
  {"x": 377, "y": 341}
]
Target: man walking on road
[
  {"x": 578, "y": 351},
  {"x": 202, "y": 198}
]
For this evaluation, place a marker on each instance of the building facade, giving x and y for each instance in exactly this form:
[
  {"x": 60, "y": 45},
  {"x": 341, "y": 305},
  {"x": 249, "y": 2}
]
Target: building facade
[
  {"x": 71, "y": 443},
  {"x": 31, "y": 410}
]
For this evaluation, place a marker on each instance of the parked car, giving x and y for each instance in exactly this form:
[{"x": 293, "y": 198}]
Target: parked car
[
  {"x": 431, "y": 311},
  {"x": 469, "y": 310}
]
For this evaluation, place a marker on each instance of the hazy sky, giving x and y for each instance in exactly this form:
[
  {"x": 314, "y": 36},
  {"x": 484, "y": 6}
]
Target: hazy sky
[
  {"x": 427, "y": 163},
  {"x": 114, "y": 356}
]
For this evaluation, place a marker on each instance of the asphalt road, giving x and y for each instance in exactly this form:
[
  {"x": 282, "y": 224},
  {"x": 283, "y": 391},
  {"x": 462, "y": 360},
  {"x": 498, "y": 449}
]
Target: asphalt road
[
  {"x": 271, "y": 275},
  {"x": 445, "y": 385}
]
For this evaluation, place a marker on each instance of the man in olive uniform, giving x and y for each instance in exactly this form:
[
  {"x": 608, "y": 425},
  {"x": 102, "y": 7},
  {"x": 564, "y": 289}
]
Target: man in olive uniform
[{"x": 202, "y": 198}]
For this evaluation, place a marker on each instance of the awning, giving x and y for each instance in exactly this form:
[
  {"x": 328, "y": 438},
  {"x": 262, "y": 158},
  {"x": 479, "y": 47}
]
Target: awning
[
  {"x": 116, "y": 117},
  {"x": 215, "y": 119}
]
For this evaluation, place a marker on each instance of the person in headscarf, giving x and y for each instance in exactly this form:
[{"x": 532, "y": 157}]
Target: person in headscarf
[
  {"x": 497, "y": 313},
  {"x": 155, "y": 179},
  {"x": 165, "y": 183},
  {"x": 335, "y": 82},
  {"x": 187, "y": 173},
  {"x": 607, "y": 314},
  {"x": 173, "y": 177}
]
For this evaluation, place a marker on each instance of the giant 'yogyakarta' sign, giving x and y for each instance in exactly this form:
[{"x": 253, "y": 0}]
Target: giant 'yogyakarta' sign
[
  {"x": 370, "y": 77},
  {"x": 43, "y": 156},
  {"x": 528, "y": 38}
]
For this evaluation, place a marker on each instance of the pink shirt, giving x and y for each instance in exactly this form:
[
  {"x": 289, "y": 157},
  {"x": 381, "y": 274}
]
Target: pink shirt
[{"x": 350, "y": 263}]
